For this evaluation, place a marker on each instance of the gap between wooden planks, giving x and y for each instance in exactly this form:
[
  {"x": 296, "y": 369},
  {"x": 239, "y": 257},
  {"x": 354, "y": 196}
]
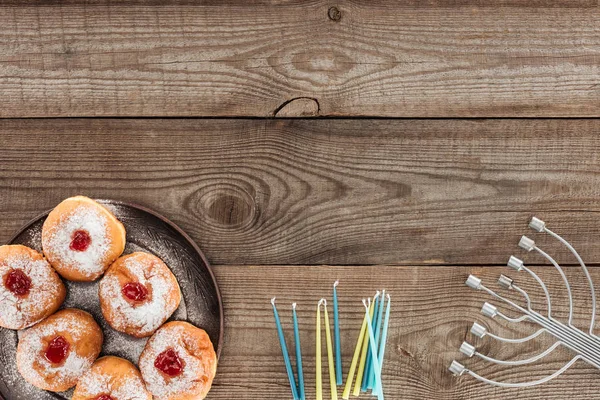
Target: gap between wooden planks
[
  {"x": 467, "y": 58},
  {"x": 432, "y": 311},
  {"x": 322, "y": 191}
]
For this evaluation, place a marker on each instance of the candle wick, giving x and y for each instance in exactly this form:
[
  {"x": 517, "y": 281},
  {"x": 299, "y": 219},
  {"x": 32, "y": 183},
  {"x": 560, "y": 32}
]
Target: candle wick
[
  {"x": 294, "y": 306},
  {"x": 388, "y": 297},
  {"x": 365, "y": 303},
  {"x": 336, "y": 283},
  {"x": 273, "y": 301},
  {"x": 377, "y": 294}
]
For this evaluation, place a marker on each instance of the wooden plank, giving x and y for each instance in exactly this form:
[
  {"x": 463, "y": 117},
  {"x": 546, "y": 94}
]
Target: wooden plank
[
  {"x": 432, "y": 314},
  {"x": 444, "y": 58},
  {"x": 322, "y": 191}
]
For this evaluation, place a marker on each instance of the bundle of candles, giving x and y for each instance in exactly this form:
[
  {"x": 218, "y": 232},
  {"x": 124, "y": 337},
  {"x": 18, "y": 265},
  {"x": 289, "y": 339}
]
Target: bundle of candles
[{"x": 369, "y": 352}]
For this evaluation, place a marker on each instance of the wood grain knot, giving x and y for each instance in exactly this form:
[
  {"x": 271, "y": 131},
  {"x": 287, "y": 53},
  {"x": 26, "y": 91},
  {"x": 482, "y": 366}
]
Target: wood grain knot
[
  {"x": 228, "y": 206},
  {"x": 334, "y": 14}
]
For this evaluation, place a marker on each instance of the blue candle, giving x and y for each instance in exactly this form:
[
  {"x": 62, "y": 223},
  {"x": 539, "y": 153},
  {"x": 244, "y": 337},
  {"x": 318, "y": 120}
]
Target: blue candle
[
  {"x": 379, "y": 321},
  {"x": 383, "y": 337},
  {"x": 338, "y": 344},
  {"x": 373, "y": 349},
  {"x": 369, "y": 366},
  {"x": 298, "y": 355},
  {"x": 286, "y": 356}
]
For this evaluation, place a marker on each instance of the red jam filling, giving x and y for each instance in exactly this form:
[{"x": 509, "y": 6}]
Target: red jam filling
[
  {"x": 57, "y": 350},
  {"x": 80, "y": 241},
  {"x": 104, "y": 397},
  {"x": 169, "y": 363},
  {"x": 17, "y": 282},
  {"x": 135, "y": 291}
]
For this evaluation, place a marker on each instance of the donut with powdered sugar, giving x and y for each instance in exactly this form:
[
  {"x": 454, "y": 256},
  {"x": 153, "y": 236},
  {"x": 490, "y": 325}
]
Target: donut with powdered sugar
[
  {"x": 30, "y": 290},
  {"x": 81, "y": 238},
  {"x": 55, "y": 353},
  {"x": 138, "y": 294},
  {"x": 179, "y": 362},
  {"x": 111, "y": 378}
]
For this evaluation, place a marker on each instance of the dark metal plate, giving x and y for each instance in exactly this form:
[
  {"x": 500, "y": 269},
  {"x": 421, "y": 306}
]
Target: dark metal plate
[{"x": 146, "y": 231}]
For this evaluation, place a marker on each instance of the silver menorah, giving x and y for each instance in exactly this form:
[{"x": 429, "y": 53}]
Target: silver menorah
[{"x": 586, "y": 345}]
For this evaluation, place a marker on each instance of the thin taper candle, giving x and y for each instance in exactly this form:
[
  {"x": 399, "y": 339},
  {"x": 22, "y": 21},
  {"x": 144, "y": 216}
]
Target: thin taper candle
[
  {"x": 359, "y": 341},
  {"x": 284, "y": 350},
  {"x": 330, "y": 362},
  {"x": 363, "y": 359},
  {"x": 373, "y": 348},
  {"x": 301, "y": 394},
  {"x": 318, "y": 357},
  {"x": 378, "y": 323},
  {"x": 383, "y": 337},
  {"x": 369, "y": 362},
  {"x": 338, "y": 341}
]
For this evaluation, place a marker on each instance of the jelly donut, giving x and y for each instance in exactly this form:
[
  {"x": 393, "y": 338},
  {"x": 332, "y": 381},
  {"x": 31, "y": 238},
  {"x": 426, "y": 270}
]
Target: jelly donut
[
  {"x": 178, "y": 362},
  {"x": 138, "y": 294},
  {"x": 81, "y": 238},
  {"x": 111, "y": 378},
  {"x": 55, "y": 353},
  {"x": 30, "y": 290}
]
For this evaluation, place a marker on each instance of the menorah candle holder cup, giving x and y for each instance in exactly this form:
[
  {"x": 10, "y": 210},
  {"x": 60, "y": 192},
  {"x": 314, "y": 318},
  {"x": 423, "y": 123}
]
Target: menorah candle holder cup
[{"x": 585, "y": 345}]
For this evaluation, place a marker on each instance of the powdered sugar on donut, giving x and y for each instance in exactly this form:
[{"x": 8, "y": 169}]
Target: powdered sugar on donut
[
  {"x": 91, "y": 261},
  {"x": 17, "y": 312},
  {"x": 94, "y": 384},
  {"x": 152, "y": 313},
  {"x": 36, "y": 368},
  {"x": 166, "y": 387}
]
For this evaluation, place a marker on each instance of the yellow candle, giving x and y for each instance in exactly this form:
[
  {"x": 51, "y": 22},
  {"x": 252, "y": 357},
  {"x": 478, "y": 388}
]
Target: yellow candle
[
  {"x": 319, "y": 382},
  {"x": 350, "y": 377},
  {"x": 363, "y": 357},
  {"x": 332, "y": 380}
]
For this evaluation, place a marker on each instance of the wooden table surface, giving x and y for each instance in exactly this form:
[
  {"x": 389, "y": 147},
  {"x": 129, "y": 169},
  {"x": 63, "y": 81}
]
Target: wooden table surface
[{"x": 398, "y": 145}]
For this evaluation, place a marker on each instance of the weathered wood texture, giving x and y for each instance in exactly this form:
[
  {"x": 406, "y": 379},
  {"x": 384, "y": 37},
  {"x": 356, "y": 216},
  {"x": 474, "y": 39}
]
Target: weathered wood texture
[
  {"x": 248, "y": 58},
  {"x": 432, "y": 313},
  {"x": 321, "y": 191}
]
